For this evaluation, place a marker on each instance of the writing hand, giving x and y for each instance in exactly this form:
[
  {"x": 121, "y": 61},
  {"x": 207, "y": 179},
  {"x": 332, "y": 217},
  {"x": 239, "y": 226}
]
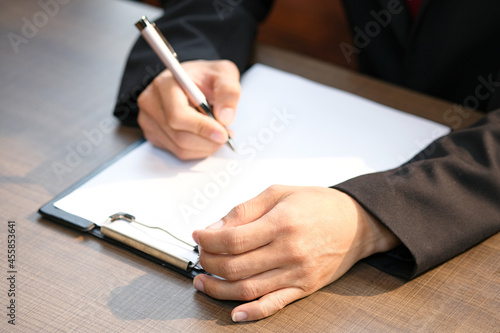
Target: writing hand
[
  {"x": 171, "y": 123},
  {"x": 283, "y": 245}
]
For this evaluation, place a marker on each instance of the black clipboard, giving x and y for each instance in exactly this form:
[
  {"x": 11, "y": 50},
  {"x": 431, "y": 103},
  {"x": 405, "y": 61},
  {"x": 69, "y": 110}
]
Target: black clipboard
[
  {"x": 54, "y": 214},
  {"x": 364, "y": 148}
]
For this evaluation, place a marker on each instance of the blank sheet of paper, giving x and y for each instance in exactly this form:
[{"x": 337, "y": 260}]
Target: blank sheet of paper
[{"x": 288, "y": 130}]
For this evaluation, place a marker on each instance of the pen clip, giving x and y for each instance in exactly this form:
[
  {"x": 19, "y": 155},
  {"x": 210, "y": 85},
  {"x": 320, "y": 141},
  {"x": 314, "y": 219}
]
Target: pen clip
[
  {"x": 143, "y": 24},
  {"x": 171, "y": 49}
]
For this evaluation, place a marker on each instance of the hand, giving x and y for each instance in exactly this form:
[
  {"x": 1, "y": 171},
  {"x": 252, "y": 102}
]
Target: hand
[
  {"x": 283, "y": 245},
  {"x": 171, "y": 123}
]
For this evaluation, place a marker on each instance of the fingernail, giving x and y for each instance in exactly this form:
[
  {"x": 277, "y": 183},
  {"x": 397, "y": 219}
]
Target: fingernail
[
  {"x": 216, "y": 225},
  {"x": 239, "y": 316},
  {"x": 226, "y": 116},
  {"x": 218, "y": 137},
  {"x": 198, "y": 285}
]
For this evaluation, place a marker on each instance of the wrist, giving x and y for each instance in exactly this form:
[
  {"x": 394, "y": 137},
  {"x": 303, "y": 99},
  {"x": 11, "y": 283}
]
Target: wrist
[{"x": 374, "y": 237}]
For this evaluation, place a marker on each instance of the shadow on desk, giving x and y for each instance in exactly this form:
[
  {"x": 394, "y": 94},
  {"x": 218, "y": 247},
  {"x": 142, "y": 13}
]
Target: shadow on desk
[
  {"x": 160, "y": 297},
  {"x": 157, "y": 297},
  {"x": 364, "y": 280}
]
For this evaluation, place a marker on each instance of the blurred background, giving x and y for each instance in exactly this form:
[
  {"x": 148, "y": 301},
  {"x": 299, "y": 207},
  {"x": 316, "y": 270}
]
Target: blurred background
[{"x": 314, "y": 28}]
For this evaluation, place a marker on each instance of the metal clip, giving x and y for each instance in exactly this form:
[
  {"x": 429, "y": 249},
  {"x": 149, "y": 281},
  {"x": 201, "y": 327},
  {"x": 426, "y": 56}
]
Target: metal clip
[
  {"x": 170, "y": 48},
  {"x": 120, "y": 227},
  {"x": 143, "y": 23}
]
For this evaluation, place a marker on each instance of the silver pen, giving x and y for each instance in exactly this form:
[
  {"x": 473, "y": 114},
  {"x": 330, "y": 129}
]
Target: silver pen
[{"x": 166, "y": 53}]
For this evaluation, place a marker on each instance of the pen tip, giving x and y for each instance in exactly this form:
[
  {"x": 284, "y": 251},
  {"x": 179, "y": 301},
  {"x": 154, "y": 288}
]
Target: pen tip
[{"x": 231, "y": 144}]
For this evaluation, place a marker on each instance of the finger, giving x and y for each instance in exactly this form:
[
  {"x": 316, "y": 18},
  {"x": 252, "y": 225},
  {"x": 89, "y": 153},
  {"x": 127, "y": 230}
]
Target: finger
[
  {"x": 236, "y": 240},
  {"x": 149, "y": 102},
  {"x": 235, "y": 267},
  {"x": 188, "y": 144},
  {"x": 153, "y": 121},
  {"x": 151, "y": 118},
  {"x": 152, "y": 131},
  {"x": 189, "y": 120},
  {"x": 181, "y": 117},
  {"x": 183, "y": 144},
  {"x": 221, "y": 85},
  {"x": 226, "y": 93},
  {"x": 241, "y": 290},
  {"x": 234, "y": 234},
  {"x": 267, "y": 305}
]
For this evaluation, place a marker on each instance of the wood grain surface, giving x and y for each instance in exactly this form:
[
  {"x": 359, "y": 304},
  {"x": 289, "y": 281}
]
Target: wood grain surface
[{"x": 58, "y": 87}]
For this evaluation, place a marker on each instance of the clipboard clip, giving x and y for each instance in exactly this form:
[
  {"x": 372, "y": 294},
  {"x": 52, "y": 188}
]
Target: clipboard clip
[{"x": 124, "y": 228}]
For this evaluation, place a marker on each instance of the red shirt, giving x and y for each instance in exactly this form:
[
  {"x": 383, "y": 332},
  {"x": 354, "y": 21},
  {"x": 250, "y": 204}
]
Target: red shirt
[{"x": 414, "y": 6}]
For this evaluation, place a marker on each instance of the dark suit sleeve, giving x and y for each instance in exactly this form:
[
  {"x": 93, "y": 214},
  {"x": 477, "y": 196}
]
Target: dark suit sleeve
[
  {"x": 439, "y": 204},
  {"x": 197, "y": 29}
]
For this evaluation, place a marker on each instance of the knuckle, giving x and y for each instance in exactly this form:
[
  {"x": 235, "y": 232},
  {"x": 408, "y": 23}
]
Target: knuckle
[
  {"x": 146, "y": 108},
  {"x": 274, "y": 189},
  {"x": 248, "y": 291},
  {"x": 204, "y": 263},
  {"x": 232, "y": 92},
  {"x": 157, "y": 82},
  {"x": 290, "y": 226},
  {"x": 148, "y": 130},
  {"x": 174, "y": 122},
  {"x": 141, "y": 100},
  {"x": 212, "y": 289},
  {"x": 296, "y": 254},
  {"x": 280, "y": 303},
  {"x": 181, "y": 140},
  {"x": 309, "y": 287},
  {"x": 196, "y": 63},
  {"x": 226, "y": 65},
  {"x": 239, "y": 211},
  {"x": 234, "y": 243},
  {"x": 203, "y": 127},
  {"x": 306, "y": 282},
  {"x": 266, "y": 310},
  {"x": 229, "y": 270},
  {"x": 161, "y": 78},
  {"x": 141, "y": 120},
  {"x": 184, "y": 154}
]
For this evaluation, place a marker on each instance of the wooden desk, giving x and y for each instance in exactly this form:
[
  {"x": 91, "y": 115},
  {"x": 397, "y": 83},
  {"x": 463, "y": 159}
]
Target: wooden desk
[{"x": 57, "y": 90}]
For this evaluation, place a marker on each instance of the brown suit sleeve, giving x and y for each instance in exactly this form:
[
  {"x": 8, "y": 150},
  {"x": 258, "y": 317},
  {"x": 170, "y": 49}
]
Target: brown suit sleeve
[
  {"x": 439, "y": 204},
  {"x": 197, "y": 29}
]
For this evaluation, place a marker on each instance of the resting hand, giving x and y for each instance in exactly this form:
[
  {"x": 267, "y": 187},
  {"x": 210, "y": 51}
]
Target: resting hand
[
  {"x": 171, "y": 123},
  {"x": 283, "y": 245}
]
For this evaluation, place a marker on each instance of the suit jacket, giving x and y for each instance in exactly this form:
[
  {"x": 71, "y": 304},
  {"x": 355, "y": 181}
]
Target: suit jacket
[{"x": 447, "y": 198}]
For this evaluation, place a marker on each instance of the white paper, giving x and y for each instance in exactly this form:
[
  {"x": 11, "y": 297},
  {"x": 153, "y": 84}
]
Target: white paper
[{"x": 288, "y": 130}]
